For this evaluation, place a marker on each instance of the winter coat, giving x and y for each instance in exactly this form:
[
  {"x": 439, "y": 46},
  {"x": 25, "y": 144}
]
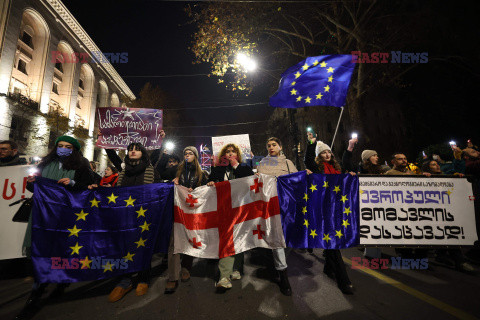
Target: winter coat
[
  {"x": 276, "y": 166},
  {"x": 218, "y": 173},
  {"x": 12, "y": 161},
  {"x": 189, "y": 180}
]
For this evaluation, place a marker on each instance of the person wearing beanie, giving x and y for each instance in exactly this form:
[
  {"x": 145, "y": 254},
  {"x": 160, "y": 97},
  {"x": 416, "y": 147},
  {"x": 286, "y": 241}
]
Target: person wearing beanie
[
  {"x": 228, "y": 167},
  {"x": 327, "y": 164},
  {"x": 190, "y": 175},
  {"x": 65, "y": 164},
  {"x": 370, "y": 163}
]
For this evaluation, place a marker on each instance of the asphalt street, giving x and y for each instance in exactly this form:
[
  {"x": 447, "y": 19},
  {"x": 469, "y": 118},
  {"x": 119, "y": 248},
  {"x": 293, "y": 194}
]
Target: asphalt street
[{"x": 441, "y": 293}]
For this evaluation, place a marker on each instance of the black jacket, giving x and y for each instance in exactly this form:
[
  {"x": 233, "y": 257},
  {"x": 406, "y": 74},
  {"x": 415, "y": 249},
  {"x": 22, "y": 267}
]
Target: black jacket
[
  {"x": 218, "y": 173},
  {"x": 114, "y": 159},
  {"x": 188, "y": 179},
  {"x": 12, "y": 161},
  {"x": 310, "y": 156},
  {"x": 160, "y": 164}
]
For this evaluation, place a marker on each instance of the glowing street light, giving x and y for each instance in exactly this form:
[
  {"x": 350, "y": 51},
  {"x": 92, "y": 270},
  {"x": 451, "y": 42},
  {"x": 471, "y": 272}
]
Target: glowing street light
[
  {"x": 169, "y": 145},
  {"x": 246, "y": 62}
]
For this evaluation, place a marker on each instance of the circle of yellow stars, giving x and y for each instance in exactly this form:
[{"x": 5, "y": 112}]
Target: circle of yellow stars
[
  {"x": 298, "y": 74},
  {"x": 82, "y": 215},
  {"x": 346, "y": 210}
]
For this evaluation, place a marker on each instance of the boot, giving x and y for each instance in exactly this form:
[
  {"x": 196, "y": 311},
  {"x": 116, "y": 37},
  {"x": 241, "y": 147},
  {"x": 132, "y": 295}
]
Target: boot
[
  {"x": 334, "y": 259},
  {"x": 285, "y": 288},
  {"x": 33, "y": 303}
]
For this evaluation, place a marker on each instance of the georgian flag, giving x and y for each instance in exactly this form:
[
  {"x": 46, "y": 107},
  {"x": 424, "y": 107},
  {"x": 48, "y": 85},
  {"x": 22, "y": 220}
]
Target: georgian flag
[{"x": 230, "y": 218}]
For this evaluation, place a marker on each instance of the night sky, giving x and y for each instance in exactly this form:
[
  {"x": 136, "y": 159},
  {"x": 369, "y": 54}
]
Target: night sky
[
  {"x": 156, "y": 36},
  {"x": 439, "y": 99}
]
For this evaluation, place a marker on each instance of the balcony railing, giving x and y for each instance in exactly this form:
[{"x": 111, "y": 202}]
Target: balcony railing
[{"x": 29, "y": 103}]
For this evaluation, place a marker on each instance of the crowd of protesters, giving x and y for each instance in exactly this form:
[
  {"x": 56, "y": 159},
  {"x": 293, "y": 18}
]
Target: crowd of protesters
[{"x": 66, "y": 164}]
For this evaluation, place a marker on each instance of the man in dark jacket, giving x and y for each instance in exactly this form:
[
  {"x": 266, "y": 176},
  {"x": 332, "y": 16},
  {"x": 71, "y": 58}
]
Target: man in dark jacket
[{"x": 9, "y": 154}]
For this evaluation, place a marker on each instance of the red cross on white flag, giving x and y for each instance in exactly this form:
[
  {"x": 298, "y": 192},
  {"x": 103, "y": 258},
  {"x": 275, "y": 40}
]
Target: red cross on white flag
[{"x": 232, "y": 217}]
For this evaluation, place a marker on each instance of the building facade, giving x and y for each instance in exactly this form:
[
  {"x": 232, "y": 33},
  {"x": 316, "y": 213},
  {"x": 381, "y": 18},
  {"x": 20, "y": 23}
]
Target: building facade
[{"x": 49, "y": 82}]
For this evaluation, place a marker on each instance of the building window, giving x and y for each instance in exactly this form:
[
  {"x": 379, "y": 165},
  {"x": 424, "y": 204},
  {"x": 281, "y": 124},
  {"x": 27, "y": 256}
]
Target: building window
[
  {"x": 27, "y": 39},
  {"x": 78, "y": 105},
  {"x": 80, "y": 83},
  {"x": 59, "y": 66},
  {"x": 55, "y": 88},
  {"x": 22, "y": 66},
  {"x": 98, "y": 99},
  {"x": 17, "y": 90},
  {"x": 19, "y": 129}
]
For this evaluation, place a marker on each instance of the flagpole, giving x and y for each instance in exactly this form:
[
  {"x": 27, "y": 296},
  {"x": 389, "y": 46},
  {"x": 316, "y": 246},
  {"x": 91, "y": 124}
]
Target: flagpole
[{"x": 336, "y": 129}]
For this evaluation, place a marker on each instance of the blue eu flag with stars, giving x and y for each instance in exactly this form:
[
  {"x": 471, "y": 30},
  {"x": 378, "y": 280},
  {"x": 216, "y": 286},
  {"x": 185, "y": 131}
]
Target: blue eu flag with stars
[
  {"x": 319, "y": 210},
  {"x": 315, "y": 81},
  {"x": 98, "y": 234}
]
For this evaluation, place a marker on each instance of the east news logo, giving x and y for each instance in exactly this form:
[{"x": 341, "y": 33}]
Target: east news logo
[{"x": 395, "y": 263}]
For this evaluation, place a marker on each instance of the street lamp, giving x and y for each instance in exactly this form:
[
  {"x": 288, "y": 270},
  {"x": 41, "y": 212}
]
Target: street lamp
[
  {"x": 169, "y": 145},
  {"x": 246, "y": 62}
]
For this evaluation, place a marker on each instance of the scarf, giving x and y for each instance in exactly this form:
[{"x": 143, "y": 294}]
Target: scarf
[
  {"x": 329, "y": 169},
  {"x": 111, "y": 180},
  {"x": 136, "y": 173}
]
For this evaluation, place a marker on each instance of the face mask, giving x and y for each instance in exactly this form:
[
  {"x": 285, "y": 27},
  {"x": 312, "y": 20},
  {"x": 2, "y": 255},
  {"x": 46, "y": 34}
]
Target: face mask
[{"x": 64, "y": 152}]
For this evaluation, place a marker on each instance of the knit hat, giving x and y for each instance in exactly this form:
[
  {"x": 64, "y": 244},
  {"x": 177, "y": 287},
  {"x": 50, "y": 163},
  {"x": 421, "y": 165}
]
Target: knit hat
[
  {"x": 321, "y": 147},
  {"x": 69, "y": 139},
  {"x": 366, "y": 154},
  {"x": 193, "y": 149}
]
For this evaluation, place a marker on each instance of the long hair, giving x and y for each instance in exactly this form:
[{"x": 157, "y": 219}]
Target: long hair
[
  {"x": 73, "y": 162},
  {"x": 140, "y": 147},
  {"x": 372, "y": 168},
  {"x": 319, "y": 161},
  {"x": 223, "y": 152},
  {"x": 198, "y": 170}
]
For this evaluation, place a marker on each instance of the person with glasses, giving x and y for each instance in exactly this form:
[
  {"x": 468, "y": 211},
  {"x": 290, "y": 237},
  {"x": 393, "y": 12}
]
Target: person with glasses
[{"x": 191, "y": 176}]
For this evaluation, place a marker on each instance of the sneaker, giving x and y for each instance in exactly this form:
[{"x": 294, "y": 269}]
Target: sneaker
[
  {"x": 118, "y": 293},
  {"x": 223, "y": 285},
  {"x": 142, "y": 289},
  {"x": 184, "y": 275},
  {"x": 171, "y": 287},
  {"x": 236, "y": 275}
]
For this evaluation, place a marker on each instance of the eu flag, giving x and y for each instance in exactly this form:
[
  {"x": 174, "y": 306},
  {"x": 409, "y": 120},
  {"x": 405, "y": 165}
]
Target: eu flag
[
  {"x": 316, "y": 81},
  {"x": 319, "y": 210},
  {"x": 97, "y": 234}
]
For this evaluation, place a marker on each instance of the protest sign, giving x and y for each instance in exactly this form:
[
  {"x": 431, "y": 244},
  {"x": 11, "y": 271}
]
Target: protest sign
[
  {"x": 416, "y": 211},
  {"x": 241, "y": 140},
  {"x": 122, "y": 126},
  {"x": 13, "y": 183}
]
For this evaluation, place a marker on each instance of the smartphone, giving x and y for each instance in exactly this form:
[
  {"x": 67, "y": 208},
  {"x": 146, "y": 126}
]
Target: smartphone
[
  {"x": 453, "y": 144},
  {"x": 354, "y": 135}
]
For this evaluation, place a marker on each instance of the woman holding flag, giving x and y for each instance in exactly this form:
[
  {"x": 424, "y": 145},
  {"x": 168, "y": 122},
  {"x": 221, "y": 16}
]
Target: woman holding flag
[
  {"x": 191, "y": 176},
  {"x": 65, "y": 164},
  {"x": 276, "y": 164},
  {"x": 334, "y": 266},
  {"x": 138, "y": 171},
  {"x": 229, "y": 267}
]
